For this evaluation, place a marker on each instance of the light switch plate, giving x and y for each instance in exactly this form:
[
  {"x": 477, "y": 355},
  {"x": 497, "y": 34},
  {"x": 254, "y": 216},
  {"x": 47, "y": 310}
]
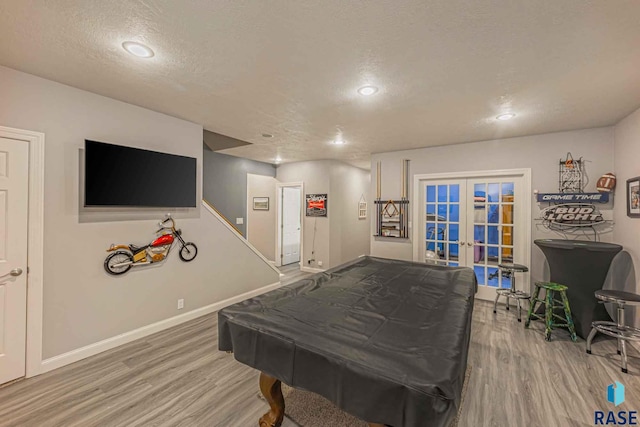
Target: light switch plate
[{"x": 239, "y": 221}]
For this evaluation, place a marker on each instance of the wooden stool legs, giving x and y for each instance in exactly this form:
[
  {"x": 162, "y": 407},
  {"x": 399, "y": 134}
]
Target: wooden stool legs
[
  {"x": 550, "y": 305},
  {"x": 568, "y": 317}
]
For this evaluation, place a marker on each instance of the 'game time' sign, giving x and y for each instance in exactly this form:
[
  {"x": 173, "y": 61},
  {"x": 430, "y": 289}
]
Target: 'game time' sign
[{"x": 573, "y": 197}]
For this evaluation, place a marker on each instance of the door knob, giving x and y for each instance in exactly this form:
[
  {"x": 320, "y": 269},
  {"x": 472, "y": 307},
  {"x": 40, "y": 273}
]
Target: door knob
[
  {"x": 469, "y": 244},
  {"x": 462, "y": 243},
  {"x": 15, "y": 273}
]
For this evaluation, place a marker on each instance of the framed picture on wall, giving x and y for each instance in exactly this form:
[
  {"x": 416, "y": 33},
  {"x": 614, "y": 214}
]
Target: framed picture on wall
[
  {"x": 260, "y": 203},
  {"x": 633, "y": 197},
  {"x": 362, "y": 210}
]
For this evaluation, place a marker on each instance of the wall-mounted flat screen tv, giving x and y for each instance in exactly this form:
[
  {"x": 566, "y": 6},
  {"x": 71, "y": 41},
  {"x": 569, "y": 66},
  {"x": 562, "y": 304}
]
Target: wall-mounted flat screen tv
[{"x": 124, "y": 176}]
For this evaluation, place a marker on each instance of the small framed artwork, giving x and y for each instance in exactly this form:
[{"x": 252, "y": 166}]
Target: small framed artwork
[
  {"x": 362, "y": 210},
  {"x": 633, "y": 197},
  {"x": 260, "y": 203}
]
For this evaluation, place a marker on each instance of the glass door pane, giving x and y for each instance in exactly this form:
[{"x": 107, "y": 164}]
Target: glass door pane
[
  {"x": 443, "y": 222},
  {"x": 491, "y": 229}
]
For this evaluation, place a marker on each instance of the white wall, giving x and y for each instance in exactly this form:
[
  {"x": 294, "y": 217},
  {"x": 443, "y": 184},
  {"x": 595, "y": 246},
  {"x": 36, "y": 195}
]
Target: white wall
[
  {"x": 541, "y": 153},
  {"x": 349, "y": 237},
  {"x": 316, "y": 178},
  {"x": 82, "y": 304},
  {"x": 626, "y": 155},
  {"x": 340, "y": 236},
  {"x": 261, "y": 225}
]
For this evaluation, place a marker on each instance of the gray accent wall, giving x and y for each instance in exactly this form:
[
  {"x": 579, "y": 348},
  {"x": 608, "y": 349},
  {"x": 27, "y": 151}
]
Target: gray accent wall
[{"x": 225, "y": 183}]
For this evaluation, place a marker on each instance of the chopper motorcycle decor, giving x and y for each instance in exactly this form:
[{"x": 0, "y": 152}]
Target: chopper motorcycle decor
[{"x": 123, "y": 257}]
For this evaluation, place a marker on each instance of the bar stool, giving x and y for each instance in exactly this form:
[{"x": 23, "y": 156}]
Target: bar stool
[
  {"x": 512, "y": 292},
  {"x": 551, "y": 303},
  {"x": 616, "y": 329}
]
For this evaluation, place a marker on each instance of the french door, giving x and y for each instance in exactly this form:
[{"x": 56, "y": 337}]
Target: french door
[{"x": 476, "y": 223}]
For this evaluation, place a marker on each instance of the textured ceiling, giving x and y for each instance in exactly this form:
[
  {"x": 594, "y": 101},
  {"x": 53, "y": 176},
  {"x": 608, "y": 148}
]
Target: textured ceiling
[{"x": 291, "y": 68}]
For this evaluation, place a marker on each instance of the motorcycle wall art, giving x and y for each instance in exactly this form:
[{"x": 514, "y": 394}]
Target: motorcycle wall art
[{"x": 122, "y": 257}]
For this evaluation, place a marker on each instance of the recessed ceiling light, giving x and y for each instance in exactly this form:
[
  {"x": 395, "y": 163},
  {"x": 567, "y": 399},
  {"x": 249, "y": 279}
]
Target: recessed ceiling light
[
  {"x": 338, "y": 141},
  {"x": 138, "y": 49},
  {"x": 278, "y": 159},
  {"x": 506, "y": 116},
  {"x": 267, "y": 135},
  {"x": 367, "y": 90}
]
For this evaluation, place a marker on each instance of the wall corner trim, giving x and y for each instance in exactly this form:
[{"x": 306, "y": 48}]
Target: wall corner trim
[{"x": 127, "y": 337}]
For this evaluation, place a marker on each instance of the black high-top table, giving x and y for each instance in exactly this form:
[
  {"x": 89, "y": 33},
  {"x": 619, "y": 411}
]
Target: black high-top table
[{"x": 583, "y": 267}]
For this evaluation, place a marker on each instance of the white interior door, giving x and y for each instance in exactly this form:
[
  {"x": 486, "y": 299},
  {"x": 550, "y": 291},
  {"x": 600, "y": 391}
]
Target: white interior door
[
  {"x": 291, "y": 213},
  {"x": 476, "y": 223},
  {"x": 14, "y": 187}
]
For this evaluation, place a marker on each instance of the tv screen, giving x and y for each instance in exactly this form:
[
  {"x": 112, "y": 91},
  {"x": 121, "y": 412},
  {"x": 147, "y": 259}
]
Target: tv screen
[{"x": 124, "y": 176}]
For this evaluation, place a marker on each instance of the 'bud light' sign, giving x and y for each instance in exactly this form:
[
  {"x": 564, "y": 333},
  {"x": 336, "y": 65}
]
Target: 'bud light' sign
[{"x": 573, "y": 215}]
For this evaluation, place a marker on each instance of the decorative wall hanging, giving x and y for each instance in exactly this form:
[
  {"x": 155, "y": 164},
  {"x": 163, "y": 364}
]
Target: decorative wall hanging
[
  {"x": 572, "y": 215},
  {"x": 392, "y": 215},
  {"x": 362, "y": 208},
  {"x": 633, "y": 197},
  {"x": 123, "y": 257},
  {"x": 606, "y": 183},
  {"x": 260, "y": 203},
  {"x": 582, "y": 219},
  {"x": 570, "y": 175},
  {"x": 316, "y": 205}
]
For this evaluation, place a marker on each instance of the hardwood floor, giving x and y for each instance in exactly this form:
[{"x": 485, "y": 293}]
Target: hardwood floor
[{"x": 179, "y": 378}]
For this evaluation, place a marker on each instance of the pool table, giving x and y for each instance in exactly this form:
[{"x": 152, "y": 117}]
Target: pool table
[{"x": 385, "y": 340}]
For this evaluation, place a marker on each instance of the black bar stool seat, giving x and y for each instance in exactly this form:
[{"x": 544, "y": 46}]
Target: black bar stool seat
[
  {"x": 511, "y": 269},
  {"x": 618, "y": 329}
]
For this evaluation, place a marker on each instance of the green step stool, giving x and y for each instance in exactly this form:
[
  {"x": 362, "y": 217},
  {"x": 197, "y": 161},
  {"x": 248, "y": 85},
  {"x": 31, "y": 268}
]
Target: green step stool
[{"x": 551, "y": 303}]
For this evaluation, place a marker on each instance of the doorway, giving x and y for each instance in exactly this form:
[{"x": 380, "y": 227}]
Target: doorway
[
  {"x": 21, "y": 249},
  {"x": 289, "y": 223},
  {"x": 476, "y": 221}
]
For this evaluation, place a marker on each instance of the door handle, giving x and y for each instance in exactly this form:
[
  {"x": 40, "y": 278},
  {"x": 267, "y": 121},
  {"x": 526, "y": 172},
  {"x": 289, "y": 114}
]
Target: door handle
[
  {"x": 469, "y": 244},
  {"x": 461, "y": 243},
  {"x": 15, "y": 273}
]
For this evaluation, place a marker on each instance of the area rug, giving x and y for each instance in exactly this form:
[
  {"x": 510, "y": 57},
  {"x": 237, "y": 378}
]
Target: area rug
[{"x": 307, "y": 409}]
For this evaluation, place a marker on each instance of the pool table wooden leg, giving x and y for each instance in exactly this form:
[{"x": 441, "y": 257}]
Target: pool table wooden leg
[{"x": 271, "y": 390}]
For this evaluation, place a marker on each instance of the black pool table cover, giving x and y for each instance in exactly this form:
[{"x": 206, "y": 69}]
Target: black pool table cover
[{"x": 385, "y": 340}]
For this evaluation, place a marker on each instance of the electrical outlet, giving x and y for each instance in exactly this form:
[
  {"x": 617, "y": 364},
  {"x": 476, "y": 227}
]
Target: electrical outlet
[
  {"x": 319, "y": 263},
  {"x": 180, "y": 304}
]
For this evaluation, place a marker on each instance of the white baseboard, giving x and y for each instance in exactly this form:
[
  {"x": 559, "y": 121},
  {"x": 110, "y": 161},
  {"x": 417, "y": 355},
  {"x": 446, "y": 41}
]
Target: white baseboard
[
  {"x": 311, "y": 269},
  {"x": 104, "y": 345}
]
